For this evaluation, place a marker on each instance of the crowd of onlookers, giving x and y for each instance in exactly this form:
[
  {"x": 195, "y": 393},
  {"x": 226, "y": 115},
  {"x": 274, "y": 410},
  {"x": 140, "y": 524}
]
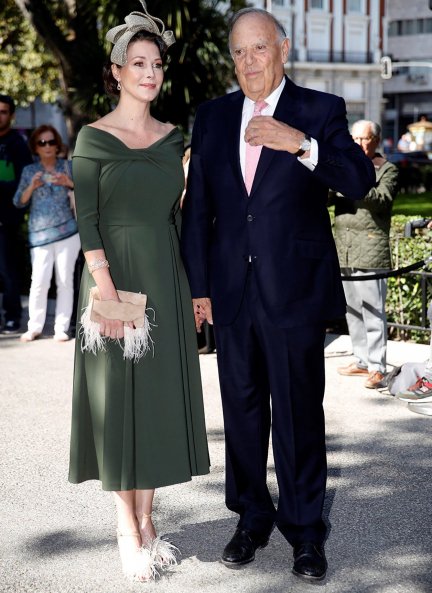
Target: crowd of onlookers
[{"x": 36, "y": 178}]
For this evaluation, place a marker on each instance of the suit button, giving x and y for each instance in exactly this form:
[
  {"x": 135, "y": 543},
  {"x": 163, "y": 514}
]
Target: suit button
[{"x": 249, "y": 218}]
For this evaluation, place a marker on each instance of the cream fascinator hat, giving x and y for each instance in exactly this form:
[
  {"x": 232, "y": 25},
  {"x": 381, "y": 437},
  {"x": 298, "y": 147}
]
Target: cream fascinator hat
[{"x": 135, "y": 21}]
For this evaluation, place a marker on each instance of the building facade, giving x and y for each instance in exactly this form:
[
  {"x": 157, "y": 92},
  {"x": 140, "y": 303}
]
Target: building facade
[
  {"x": 408, "y": 92},
  {"x": 336, "y": 47}
]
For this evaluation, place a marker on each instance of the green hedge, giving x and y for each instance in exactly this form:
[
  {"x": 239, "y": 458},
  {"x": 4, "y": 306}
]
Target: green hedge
[{"x": 404, "y": 303}]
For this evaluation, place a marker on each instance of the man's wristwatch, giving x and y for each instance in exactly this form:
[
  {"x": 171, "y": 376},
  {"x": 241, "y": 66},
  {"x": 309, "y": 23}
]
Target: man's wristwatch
[{"x": 304, "y": 146}]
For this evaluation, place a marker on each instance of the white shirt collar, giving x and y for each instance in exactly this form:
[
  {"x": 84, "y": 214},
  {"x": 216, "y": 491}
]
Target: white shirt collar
[{"x": 271, "y": 100}]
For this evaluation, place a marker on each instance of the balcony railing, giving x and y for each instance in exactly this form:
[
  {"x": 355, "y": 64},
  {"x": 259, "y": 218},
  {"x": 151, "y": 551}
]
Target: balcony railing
[{"x": 351, "y": 57}]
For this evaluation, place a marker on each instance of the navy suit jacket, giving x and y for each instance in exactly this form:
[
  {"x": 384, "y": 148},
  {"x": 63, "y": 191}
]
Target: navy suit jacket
[{"x": 284, "y": 224}]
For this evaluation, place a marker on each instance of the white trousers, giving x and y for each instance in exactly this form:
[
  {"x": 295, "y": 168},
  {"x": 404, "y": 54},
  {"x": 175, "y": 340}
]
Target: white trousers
[
  {"x": 62, "y": 255},
  {"x": 366, "y": 318}
]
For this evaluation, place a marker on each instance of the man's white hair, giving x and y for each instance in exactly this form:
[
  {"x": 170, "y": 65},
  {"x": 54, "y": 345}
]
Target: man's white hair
[
  {"x": 375, "y": 128},
  {"x": 280, "y": 30}
]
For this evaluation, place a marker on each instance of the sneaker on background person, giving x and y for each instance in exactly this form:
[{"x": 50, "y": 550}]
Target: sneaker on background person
[
  {"x": 30, "y": 336},
  {"x": 11, "y": 327},
  {"x": 420, "y": 408},
  {"x": 61, "y": 337},
  {"x": 421, "y": 391}
]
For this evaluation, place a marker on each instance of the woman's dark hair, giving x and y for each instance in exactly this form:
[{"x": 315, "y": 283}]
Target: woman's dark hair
[
  {"x": 40, "y": 130},
  {"x": 110, "y": 83}
]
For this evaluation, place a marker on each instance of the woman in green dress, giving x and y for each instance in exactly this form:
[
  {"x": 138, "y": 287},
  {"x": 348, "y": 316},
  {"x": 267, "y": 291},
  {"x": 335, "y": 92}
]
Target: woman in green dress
[{"x": 137, "y": 423}]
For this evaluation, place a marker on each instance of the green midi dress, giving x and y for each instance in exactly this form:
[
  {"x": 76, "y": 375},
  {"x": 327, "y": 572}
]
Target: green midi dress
[{"x": 136, "y": 424}]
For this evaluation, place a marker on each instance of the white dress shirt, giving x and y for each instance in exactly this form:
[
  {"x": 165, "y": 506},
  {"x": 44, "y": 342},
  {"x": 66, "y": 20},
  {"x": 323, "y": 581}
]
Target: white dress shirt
[{"x": 271, "y": 100}]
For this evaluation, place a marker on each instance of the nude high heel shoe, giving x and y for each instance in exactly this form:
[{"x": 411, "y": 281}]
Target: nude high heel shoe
[
  {"x": 163, "y": 553},
  {"x": 137, "y": 563}
]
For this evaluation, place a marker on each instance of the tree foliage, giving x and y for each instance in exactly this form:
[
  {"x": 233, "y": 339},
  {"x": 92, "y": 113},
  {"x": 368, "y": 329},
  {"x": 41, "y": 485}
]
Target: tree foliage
[
  {"x": 73, "y": 32},
  {"x": 27, "y": 71}
]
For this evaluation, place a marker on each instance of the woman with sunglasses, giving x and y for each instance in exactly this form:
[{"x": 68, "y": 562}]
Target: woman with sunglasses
[{"x": 45, "y": 187}]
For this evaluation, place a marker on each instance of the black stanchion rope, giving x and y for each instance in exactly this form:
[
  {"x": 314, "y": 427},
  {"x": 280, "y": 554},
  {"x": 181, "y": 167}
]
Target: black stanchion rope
[{"x": 391, "y": 273}]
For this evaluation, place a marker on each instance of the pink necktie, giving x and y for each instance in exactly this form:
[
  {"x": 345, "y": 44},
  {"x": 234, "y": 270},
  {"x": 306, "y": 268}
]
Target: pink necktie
[{"x": 253, "y": 152}]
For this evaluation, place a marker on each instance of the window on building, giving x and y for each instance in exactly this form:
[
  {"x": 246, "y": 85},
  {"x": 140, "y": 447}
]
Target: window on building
[
  {"x": 355, "y": 6},
  {"x": 316, "y": 4},
  {"x": 393, "y": 28},
  {"x": 319, "y": 41},
  {"x": 410, "y": 27},
  {"x": 279, "y": 2}
]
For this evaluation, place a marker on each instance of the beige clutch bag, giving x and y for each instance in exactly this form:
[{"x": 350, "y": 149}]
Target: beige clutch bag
[{"x": 131, "y": 308}]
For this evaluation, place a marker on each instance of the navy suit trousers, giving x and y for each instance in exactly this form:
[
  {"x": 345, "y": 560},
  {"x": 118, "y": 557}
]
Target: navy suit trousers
[{"x": 272, "y": 378}]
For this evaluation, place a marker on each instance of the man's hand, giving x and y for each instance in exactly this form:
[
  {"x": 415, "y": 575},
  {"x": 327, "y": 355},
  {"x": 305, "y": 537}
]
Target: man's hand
[
  {"x": 266, "y": 131},
  {"x": 202, "y": 311}
]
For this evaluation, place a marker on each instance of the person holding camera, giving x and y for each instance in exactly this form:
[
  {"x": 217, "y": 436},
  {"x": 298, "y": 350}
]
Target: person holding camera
[
  {"x": 46, "y": 186},
  {"x": 362, "y": 230}
]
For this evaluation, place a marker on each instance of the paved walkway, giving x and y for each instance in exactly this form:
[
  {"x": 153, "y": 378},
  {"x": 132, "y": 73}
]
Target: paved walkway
[{"x": 59, "y": 538}]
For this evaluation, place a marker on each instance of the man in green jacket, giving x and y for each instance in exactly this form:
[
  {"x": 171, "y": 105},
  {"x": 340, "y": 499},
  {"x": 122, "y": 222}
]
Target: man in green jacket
[{"x": 362, "y": 231}]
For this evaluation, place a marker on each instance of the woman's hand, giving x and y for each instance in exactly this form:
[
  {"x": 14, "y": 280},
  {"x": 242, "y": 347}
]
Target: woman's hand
[
  {"x": 62, "y": 179},
  {"x": 36, "y": 181},
  {"x": 113, "y": 328},
  {"x": 110, "y": 328}
]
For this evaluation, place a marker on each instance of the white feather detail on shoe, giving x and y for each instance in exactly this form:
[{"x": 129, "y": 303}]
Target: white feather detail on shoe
[
  {"x": 151, "y": 559},
  {"x": 138, "y": 565},
  {"x": 163, "y": 553},
  {"x": 147, "y": 565}
]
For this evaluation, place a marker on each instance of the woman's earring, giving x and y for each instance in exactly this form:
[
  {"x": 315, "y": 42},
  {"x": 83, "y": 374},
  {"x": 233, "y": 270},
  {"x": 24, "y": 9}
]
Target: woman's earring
[{"x": 118, "y": 85}]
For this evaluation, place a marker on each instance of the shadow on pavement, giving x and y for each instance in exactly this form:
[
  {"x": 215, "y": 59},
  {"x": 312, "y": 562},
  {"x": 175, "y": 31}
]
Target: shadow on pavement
[{"x": 62, "y": 542}]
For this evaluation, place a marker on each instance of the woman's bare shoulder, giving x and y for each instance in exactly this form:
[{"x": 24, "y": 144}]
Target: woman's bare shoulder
[
  {"x": 166, "y": 127},
  {"x": 104, "y": 123}
]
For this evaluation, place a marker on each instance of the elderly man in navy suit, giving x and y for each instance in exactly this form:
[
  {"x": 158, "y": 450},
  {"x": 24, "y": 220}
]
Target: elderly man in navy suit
[{"x": 261, "y": 261}]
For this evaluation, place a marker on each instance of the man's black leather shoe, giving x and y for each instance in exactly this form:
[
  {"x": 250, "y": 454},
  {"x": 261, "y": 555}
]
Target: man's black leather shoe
[
  {"x": 242, "y": 547},
  {"x": 309, "y": 561}
]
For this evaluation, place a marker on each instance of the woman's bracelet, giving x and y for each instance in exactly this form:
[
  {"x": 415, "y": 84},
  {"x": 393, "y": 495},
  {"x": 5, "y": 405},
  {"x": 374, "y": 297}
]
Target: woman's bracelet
[{"x": 97, "y": 264}]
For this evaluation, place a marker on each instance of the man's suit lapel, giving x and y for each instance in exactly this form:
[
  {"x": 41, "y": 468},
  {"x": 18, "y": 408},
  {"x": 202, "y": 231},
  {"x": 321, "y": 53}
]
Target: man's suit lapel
[
  {"x": 286, "y": 111},
  {"x": 234, "y": 125}
]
